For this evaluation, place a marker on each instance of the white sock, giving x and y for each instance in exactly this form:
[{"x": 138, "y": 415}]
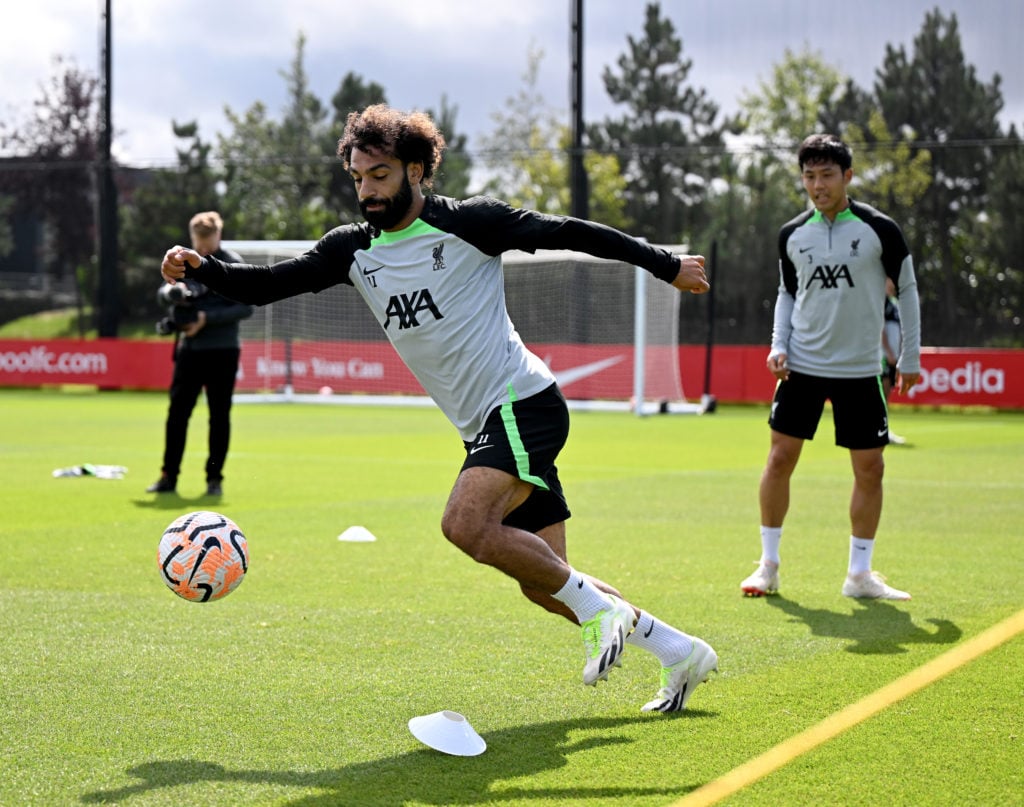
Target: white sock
[
  {"x": 583, "y": 598},
  {"x": 861, "y": 550},
  {"x": 771, "y": 537},
  {"x": 651, "y": 634}
]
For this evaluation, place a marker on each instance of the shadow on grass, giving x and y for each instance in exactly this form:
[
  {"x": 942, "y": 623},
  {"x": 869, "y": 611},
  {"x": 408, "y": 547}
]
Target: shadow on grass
[
  {"x": 429, "y": 777},
  {"x": 178, "y": 503},
  {"x": 877, "y": 627}
]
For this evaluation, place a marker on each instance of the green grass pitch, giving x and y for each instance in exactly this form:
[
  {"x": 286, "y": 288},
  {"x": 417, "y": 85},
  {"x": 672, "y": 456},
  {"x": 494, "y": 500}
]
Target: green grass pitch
[{"x": 298, "y": 687}]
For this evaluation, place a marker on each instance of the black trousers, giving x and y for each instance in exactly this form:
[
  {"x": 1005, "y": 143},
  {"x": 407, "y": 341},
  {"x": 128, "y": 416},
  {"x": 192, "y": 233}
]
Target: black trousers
[{"x": 194, "y": 370}]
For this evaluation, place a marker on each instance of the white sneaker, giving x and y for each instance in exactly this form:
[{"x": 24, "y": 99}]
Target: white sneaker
[
  {"x": 763, "y": 581},
  {"x": 896, "y": 440},
  {"x": 679, "y": 680},
  {"x": 871, "y": 585},
  {"x": 604, "y": 639}
]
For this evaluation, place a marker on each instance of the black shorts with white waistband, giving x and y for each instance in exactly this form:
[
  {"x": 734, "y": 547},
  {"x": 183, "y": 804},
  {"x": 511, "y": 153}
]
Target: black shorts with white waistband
[{"x": 523, "y": 438}]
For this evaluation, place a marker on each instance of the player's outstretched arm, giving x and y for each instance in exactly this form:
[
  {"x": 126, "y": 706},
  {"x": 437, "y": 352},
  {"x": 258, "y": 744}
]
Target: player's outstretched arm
[
  {"x": 173, "y": 266},
  {"x": 691, "y": 277}
]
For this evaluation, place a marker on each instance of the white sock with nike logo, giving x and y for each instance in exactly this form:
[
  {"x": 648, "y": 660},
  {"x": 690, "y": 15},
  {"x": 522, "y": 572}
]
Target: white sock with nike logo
[
  {"x": 583, "y": 598},
  {"x": 861, "y": 550},
  {"x": 670, "y": 645}
]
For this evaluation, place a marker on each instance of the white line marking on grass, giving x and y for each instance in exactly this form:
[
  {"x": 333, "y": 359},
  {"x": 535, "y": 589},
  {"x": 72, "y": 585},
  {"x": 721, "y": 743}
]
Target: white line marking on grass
[{"x": 868, "y": 706}]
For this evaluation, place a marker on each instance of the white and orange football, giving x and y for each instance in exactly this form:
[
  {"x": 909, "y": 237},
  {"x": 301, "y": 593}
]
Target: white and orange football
[{"x": 203, "y": 556}]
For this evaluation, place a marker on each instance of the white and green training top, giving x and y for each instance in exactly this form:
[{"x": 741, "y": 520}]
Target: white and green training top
[
  {"x": 829, "y": 312},
  {"x": 437, "y": 289}
]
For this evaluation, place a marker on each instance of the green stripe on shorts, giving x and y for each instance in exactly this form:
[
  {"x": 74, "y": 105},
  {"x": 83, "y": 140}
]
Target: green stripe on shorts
[{"x": 516, "y": 442}]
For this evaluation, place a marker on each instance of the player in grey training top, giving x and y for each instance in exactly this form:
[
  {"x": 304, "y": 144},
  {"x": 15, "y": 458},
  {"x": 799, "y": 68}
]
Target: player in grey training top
[
  {"x": 826, "y": 345},
  {"x": 430, "y": 269},
  {"x": 831, "y": 287}
]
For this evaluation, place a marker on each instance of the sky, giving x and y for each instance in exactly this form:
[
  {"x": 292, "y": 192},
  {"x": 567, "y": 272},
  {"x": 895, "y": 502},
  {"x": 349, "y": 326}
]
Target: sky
[{"x": 186, "y": 60}]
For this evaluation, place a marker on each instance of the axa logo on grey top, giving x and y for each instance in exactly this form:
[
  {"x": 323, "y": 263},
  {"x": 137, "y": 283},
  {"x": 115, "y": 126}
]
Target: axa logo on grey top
[
  {"x": 829, "y": 276},
  {"x": 405, "y": 307}
]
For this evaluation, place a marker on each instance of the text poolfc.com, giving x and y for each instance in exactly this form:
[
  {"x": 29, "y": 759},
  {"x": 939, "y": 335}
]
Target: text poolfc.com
[{"x": 38, "y": 359}]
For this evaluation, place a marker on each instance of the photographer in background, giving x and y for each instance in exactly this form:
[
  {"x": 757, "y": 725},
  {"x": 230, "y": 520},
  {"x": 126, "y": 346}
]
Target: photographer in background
[{"x": 206, "y": 353}]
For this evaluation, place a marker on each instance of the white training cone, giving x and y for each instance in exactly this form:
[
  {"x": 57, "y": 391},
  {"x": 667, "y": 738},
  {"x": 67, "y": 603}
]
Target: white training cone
[
  {"x": 357, "y": 535},
  {"x": 449, "y": 732}
]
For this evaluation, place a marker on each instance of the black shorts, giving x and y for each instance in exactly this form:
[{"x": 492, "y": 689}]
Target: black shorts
[
  {"x": 523, "y": 439},
  {"x": 858, "y": 409}
]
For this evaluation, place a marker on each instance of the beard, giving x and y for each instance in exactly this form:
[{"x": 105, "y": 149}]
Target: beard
[{"x": 394, "y": 208}]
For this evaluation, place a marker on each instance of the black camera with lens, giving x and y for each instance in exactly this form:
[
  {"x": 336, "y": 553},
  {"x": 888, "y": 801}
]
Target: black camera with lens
[{"x": 180, "y": 300}]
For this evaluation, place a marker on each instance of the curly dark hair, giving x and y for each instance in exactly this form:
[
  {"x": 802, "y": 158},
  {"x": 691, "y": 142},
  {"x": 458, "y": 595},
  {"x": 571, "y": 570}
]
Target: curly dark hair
[{"x": 411, "y": 137}]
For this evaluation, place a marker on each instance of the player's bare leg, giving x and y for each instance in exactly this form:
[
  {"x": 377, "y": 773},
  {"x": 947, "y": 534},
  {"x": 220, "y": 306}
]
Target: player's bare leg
[
  {"x": 773, "y": 495},
  {"x": 866, "y": 499},
  {"x": 865, "y": 513},
  {"x": 480, "y": 500}
]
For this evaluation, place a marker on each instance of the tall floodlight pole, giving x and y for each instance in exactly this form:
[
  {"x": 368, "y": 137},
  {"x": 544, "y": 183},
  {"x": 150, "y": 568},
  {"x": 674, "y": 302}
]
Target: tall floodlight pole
[
  {"x": 578, "y": 192},
  {"x": 107, "y": 287}
]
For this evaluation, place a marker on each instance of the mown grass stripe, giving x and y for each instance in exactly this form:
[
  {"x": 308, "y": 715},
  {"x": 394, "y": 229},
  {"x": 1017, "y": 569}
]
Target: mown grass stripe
[{"x": 868, "y": 706}]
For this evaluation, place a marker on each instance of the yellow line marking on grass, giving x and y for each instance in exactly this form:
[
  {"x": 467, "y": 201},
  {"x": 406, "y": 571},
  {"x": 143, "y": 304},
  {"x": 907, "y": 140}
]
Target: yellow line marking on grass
[{"x": 788, "y": 750}]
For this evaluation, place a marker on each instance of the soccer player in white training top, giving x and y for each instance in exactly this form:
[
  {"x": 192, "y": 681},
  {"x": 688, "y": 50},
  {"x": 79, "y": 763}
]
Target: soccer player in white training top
[{"x": 430, "y": 270}]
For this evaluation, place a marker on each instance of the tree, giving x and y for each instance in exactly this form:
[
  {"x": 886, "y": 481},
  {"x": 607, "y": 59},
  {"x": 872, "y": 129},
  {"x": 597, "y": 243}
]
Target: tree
[
  {"x": 57, "y": 150},
  {"x": 955, "y": 116},
  {"x": 456, "y": 169},
  {"x": 158, "y": 211},
  {"x": 527, "y": 157},
  {"x": 669, "y": 140},
  {"x": 1000, "y": 288},
  {"x": 520, "y": 154},
  {"x": 353, "y": 95},
  {"x": 889, "y": 172},
  {"x": 789, "y": 104},
  {"x": 276, "y": 185},
  {"x": 156, "y": 214},
  {"x": 758, "y": 188},
  {"x": 748, "y": 202},
  {"x": 804, "y": 94}
]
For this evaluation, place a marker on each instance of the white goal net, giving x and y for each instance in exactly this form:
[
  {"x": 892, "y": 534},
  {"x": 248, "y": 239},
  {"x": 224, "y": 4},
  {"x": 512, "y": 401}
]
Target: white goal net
[{"x": 608, "y": 331}]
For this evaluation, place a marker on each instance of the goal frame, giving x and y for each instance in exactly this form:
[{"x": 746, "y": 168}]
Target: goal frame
[{"x": 641, "y": 403}]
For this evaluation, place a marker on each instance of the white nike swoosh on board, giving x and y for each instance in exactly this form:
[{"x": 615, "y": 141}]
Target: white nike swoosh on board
[{"x": 574, "y": 374}]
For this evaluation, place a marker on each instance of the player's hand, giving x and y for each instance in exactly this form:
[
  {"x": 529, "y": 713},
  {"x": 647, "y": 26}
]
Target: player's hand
[
  {"x": 907, "y": 381},
  {"x": 173, "y": 267},
  {"x": 777, "y": 366},
  {"x": 691, "y": 275},
  {"x": 192, "y": 328}
]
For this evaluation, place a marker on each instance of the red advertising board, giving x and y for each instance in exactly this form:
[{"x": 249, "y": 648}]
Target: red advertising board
[
  {"x": 967, "y": 377},
  {"x": 106, "y": 363},
  {"x": 950, "y": 376}
]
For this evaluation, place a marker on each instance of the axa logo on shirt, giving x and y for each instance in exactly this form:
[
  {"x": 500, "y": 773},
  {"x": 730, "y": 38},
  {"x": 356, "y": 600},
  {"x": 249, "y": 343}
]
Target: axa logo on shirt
[
  {"x": 406, "y": 307},
  {"x": 829, "y": 276},
  {"x": 971, "y": 377}
]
